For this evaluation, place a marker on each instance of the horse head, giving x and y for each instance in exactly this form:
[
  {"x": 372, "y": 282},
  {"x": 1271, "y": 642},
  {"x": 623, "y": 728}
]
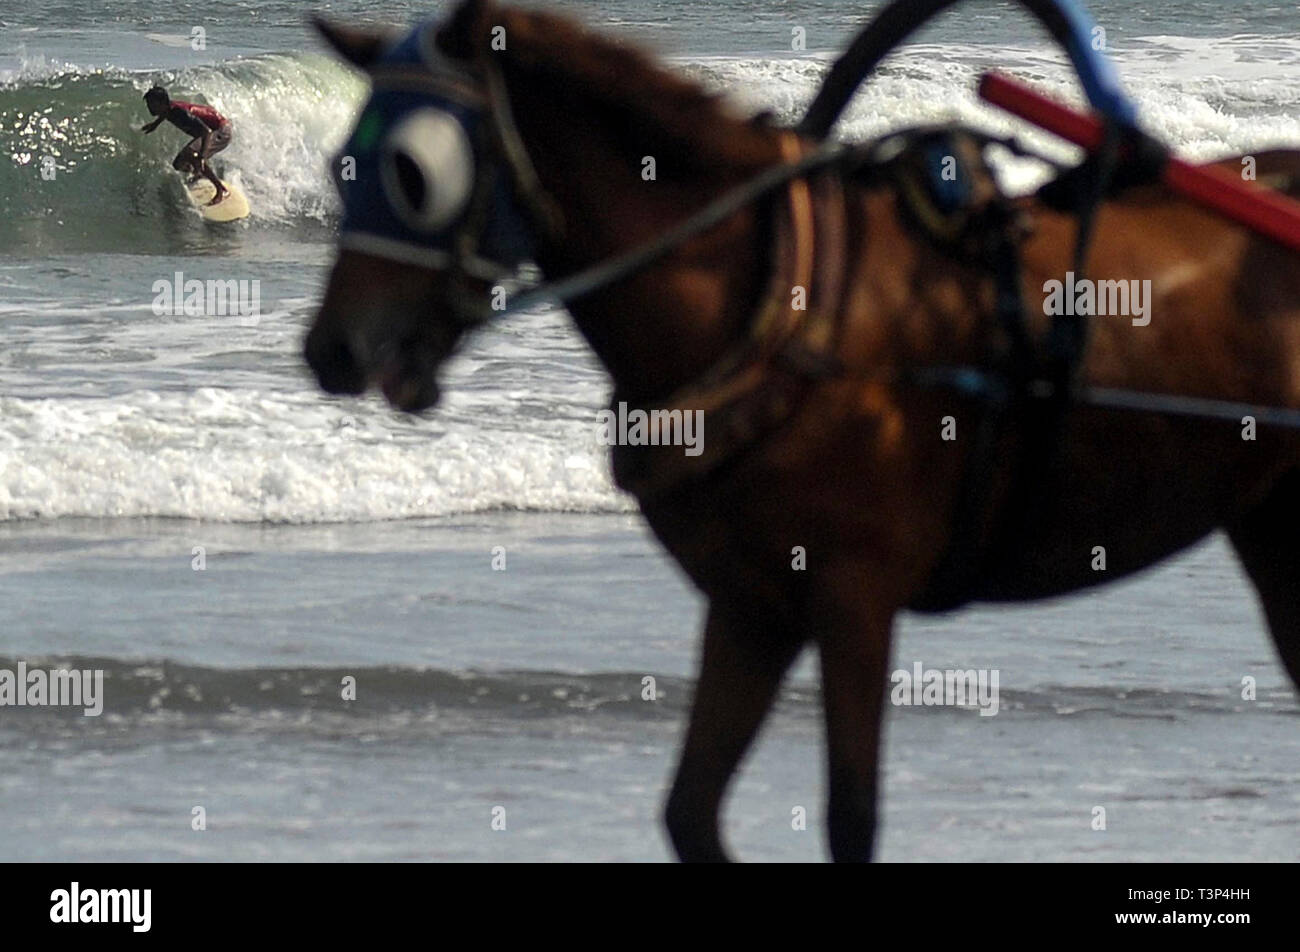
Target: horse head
[
  {"x": 442, "y": 202},
  {"x": 430, "y": 220}
]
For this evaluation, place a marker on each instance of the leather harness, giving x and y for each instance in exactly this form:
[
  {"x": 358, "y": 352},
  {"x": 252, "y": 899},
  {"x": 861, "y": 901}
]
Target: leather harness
[{"x": 757, "y": 386}]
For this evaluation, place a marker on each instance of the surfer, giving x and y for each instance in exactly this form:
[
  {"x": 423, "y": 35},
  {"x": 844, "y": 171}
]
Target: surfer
[{"x": 210, "y": 131}]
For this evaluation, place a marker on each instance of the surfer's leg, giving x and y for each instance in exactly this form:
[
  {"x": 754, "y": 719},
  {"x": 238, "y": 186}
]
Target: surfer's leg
[
  {"x": 218, "y": 140},
  {"x": 211, "y": 176},
  {"x": 187, "y": 159}
]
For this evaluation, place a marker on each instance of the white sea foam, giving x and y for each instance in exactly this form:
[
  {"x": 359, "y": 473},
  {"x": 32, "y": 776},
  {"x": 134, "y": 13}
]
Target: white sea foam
[
  {"x": 1205, "y": 97},
  {"x": 251, "y": 456}
]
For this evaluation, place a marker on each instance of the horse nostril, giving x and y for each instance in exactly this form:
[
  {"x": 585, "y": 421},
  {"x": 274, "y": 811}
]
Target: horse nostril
[{"x": 334, "y": 363}]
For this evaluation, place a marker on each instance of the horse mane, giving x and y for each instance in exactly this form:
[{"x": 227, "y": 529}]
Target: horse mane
[{"x": 644, "y": 107}]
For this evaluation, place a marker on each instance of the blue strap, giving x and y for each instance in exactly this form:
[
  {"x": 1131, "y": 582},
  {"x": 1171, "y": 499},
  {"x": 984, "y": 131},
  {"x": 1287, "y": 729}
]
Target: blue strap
[{"x": 1096, "y": 72}]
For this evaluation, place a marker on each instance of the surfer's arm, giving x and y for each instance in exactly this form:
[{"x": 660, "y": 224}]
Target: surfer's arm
[{"x": 151, "y": 126}]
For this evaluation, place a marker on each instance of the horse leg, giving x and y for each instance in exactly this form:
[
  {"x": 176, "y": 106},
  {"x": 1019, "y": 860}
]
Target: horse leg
[
  {"x": 853, "y": 662},
  {"x": 1265, "y": 539},
  {"x": 741, "y": 670}
]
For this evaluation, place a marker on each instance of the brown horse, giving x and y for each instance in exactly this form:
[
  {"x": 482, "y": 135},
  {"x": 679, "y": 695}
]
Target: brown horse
[{"x": 828, "y": 495}]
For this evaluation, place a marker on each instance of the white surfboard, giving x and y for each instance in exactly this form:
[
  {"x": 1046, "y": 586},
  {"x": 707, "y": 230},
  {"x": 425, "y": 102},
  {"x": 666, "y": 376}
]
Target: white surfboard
[
  {"x": 231, "y": 208},
  {"x": 168, "y": 39}
]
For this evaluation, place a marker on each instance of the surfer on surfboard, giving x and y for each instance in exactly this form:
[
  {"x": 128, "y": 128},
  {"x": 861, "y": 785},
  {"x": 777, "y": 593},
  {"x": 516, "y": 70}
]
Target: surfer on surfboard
[{"x": 210, "y": 132}]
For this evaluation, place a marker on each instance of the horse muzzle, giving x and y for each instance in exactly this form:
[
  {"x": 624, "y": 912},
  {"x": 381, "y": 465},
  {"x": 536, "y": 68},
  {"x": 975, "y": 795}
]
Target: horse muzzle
[
  {"x": 361, "y": 339},
  {"x": 404, "y": 371},
  {"x": 408, "y": 380}
]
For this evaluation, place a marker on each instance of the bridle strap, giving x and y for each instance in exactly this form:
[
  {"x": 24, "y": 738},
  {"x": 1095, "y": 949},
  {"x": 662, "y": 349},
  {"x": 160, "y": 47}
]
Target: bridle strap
[
  {"x": 546, "y": 217},
  {"x": 628, "y": 263},
  {"x": 543, "y": 209},
  {"x": 802, "y": 250}
]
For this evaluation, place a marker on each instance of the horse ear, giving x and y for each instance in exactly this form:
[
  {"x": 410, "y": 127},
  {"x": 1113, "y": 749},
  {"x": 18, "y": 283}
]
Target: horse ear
[
  {"x": 358, "y": 45},
  {"x": 458, "y": 37}
]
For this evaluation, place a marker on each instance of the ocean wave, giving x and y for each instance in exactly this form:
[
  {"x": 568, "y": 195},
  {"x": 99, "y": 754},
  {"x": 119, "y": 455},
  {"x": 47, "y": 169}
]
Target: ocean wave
[
  {"x": 159, "y": 687},
  {"x": 132, "y": 689},
  {"x": 1206, "y": 97},
  {"x": 290, "y": 112},
  {"x": 231, "y": 455}
]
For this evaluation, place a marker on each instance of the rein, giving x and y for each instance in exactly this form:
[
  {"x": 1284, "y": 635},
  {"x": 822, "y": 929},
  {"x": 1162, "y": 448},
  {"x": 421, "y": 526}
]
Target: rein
[
  {"x": 619, "y": 267},
  {"x": 627, "y": 263}
]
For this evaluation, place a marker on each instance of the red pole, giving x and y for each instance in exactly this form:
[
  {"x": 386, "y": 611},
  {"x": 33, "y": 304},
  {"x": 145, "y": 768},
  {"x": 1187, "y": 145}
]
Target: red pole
[{"x": 1270, "y": 213}]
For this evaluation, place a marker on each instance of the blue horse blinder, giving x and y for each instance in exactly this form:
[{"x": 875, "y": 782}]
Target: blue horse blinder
[{"x": 424, "y": 138}]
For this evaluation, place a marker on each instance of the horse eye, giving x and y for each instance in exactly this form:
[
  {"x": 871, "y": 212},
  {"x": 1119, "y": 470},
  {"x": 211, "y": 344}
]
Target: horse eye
[
  {"x": 410, "y": 180},
  {"x": 427, "y": 168}
]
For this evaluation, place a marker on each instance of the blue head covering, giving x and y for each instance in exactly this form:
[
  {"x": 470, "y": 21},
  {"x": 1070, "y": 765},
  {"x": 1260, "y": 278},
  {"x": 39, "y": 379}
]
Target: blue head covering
[{"x": 413, "y": 81}]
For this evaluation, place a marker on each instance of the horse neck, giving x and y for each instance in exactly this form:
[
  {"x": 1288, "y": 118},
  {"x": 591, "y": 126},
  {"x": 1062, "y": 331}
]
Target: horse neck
[{"x": 661, "y": 328}]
